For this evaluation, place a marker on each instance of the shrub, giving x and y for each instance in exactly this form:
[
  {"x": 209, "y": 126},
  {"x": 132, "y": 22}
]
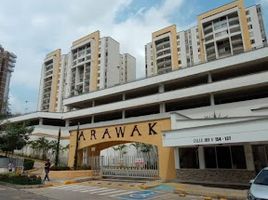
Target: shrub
[
  {"x": 21, "y": 179},
  {"x": 28, "y": 164}
]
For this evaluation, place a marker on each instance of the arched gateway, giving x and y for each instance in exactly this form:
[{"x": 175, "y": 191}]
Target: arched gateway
[{"x": 99, "y": 138}]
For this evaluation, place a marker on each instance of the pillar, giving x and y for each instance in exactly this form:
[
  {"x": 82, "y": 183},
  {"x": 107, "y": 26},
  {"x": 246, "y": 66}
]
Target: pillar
[
  {"x": 161, "y": 88},
  {"x": 123, "y": 114},
  {"x": 162, "y": 108},
  {"x": 177, "y": 157},
  {"x": 201, "y": 157},
  {"x": 41, "y": 121},
  {"x": 249, "y": 157},
  {"x": 67, "y": 123},
  {"x": 167, "y": 169}
]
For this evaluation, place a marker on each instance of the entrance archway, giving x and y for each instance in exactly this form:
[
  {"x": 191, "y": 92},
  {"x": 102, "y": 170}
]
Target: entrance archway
[{"x": 97, "y": 139}]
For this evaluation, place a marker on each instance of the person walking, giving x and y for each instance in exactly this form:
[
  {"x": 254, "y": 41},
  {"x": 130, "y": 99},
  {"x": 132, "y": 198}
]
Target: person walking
[
  {"x": 47, "y": 168},
  {"x": 10, "y": 166}
]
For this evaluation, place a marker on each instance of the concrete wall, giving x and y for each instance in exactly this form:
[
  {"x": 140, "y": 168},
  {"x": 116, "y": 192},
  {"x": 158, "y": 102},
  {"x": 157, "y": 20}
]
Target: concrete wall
[{"x": 225, "y": 176}]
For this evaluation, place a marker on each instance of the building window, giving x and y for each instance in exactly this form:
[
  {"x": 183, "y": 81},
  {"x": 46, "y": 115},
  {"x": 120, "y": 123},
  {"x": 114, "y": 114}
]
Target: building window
[
  {"x": 247, "y": 12},
  {"x": 248, "y": 19},
  {"x": 252, "y": 41},
  {"x": 250, "y": 26},
  {"x": 225, "y": 157},
  {"x": 189, "y": 157}
]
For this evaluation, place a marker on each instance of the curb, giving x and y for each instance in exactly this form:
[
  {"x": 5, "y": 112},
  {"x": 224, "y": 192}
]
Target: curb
[
  {"x": 16, "y": 186},
  {"x": 152, "y": 185},
  {"x": 209, "y": 195}
]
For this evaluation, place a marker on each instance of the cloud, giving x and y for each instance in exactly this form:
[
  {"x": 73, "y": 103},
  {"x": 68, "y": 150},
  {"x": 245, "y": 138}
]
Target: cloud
[{"x": 34, "y": 28}]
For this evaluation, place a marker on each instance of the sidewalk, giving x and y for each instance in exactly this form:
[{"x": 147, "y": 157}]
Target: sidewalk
[{"x": 213, "y": 192}]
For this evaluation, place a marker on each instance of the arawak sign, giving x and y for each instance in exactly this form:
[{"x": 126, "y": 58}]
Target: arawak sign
[
  {"x": 119, "y": 132},
  {"x": 148, "y": 132}
]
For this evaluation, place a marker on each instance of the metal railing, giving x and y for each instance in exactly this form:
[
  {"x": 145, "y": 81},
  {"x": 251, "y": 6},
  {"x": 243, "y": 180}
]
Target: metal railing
[{"x": 144, "y": 166}]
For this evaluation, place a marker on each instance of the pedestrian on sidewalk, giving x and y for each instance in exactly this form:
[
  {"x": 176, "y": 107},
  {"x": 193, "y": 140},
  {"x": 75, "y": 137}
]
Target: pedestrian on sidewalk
[
  {"x": 47, "y": 168},
  {"x": 10, "y": 166}
]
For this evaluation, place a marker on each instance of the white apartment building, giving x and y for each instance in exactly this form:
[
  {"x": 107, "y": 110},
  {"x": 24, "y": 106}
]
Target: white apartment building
[
  {"x": 93, "y": 63},
  {"x": 50, "y": 84},
  {"x": 127, "y": 68},
  {"x": 224, "y": 31}
]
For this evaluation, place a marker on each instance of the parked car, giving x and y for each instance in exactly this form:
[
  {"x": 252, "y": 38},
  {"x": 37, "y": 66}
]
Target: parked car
[{"x": 259, "y": 186}]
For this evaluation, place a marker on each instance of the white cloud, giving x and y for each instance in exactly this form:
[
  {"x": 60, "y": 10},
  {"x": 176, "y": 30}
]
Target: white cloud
[{"x": 33, "y": 28}]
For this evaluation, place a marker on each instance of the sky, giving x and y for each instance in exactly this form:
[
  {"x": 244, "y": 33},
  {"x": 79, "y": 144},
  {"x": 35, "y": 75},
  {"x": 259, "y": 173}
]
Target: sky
[{"x": 33, "y": 28}]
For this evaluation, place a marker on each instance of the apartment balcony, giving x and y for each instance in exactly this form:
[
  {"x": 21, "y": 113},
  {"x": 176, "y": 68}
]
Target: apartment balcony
[
  {"x": 209, "y": 27},
  {"x": 220, "y": 25},
  {"x": 235, "y": 29},
  {"x": 238, "y": 49},
  {"x": 234, "y": 20},
  {"x": 163, "y": 46},
  {"x": 237, "y": 41},
  {"x": 221, "y": 34},
  {"x": 164, "y": 70},
  {"x": 164, "y": 64},
  {"x": 209, "y": 38}
]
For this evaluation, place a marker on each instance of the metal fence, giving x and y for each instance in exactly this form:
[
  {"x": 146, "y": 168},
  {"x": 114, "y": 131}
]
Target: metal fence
[{"x": 145, "y": 166}]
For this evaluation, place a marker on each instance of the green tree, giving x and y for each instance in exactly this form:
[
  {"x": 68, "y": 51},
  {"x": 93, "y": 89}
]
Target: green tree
[
  {"x": 121, "y": 148},
  {"x": 14, "y": 136},
  {"x": 137, "y": 146}
]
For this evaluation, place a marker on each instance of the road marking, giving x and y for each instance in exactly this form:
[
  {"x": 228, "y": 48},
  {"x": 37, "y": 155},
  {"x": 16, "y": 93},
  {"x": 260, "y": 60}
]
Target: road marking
[
  {"x": 100, "y": 191},
  {"x": 112, "y": 192},
  {"x": 115, "y": 195},
  {"x": 86, "y": 189}
]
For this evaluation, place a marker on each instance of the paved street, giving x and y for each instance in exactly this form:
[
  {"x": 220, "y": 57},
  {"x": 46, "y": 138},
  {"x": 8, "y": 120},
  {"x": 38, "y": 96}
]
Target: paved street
[
  {"x": 7, "y": 193},
  {"x": 84, "y": 192}
]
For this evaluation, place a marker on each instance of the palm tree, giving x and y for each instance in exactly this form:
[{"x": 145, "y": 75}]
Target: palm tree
[
  {"x": 121, "y": 148},
  {"x": 137, "y": 146},
  {"x": 44, "y": 146}
]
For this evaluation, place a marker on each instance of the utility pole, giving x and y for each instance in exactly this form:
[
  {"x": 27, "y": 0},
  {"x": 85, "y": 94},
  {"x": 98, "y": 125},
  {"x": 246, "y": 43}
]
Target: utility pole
[
  {"x": 58, "y": 148},
  {"x": 76, "y": 146}
]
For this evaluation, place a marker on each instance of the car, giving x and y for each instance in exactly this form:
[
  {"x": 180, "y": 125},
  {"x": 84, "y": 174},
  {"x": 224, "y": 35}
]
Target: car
[{"x": 259, "y": 186}]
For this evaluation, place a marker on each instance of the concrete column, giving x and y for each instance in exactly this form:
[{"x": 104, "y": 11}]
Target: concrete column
[
  {"x": 161, "y": 88},
  {"x": 249, "y": 157},
  {"x": 212, "y": 102},
  {"x": 162, "y": 108},
  {"x": 201, "y": 157},
  {"x": 123, "y": 96},
  {"x": 41, "y": 121},
  {"x": 92, "y": 119},
  {"x": 123, "y": 114},
  {"x": 93, "y": 103},
  {"x": 67, "y": 122},
  {"x": 209, "y": 78},
  {"x": 177, "y": 157}
]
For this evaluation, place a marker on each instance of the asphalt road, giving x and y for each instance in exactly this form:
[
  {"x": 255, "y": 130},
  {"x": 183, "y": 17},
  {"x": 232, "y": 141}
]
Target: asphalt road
[
  {"x": 7, "y": 193},
  {"x": 85, "y": 192}
]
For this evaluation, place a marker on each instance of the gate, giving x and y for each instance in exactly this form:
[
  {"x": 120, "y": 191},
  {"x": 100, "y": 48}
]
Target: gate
[{"x": 145, "y": 166}]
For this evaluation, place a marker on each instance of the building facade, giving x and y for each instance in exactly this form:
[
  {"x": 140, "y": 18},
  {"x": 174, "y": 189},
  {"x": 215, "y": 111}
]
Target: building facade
[
  {"x": 224, "y": 31},
  {"x": 7, "y": 64},
  {"x": 93, "y": 63},
  {"x": 208, "y": 122},
  {"x": 50, "y": 83}
]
